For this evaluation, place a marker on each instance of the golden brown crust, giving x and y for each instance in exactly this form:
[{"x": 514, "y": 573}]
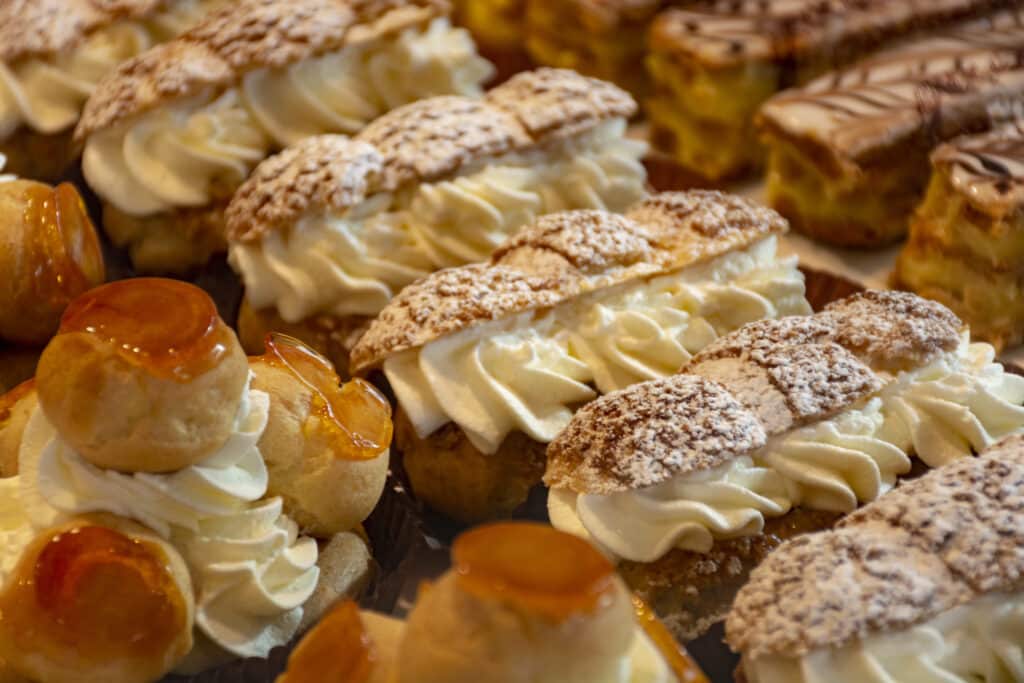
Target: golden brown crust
[
  {"x": 35, "y": 27},
  {"x": 16, "y": 407}
]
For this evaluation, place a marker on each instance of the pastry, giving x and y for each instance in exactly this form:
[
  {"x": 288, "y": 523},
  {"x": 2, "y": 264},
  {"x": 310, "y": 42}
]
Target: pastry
[
  {"x": 848, "y": 158},
  {"x": 773, "y": 431},
  {"x": 497, "y": 28},
  {"x": 335, "y": 227},
  {"x": 523, "y": 602},
  {"x": 922, "y": 585},
  {"x": 602, "y": 38},
  {"x": 172, "y": 133},
  {"x": 146, "y": 408},
  {"x": 712, "y": 66},
  {"x": 966, "y": 245},
  {"x": 489, "y": 361},
  {"x": 52, "y": 54},
  {"x": 16, "y": 406}
]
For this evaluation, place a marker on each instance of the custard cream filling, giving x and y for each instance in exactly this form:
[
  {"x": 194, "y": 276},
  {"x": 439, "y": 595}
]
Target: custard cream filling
[
  {"x": 530, "y": 371},
  {"x": 980, "y": 642},
  {"x": 957, "y": 405},
  {"x": 191, "y": 152},
  {"x": 355, "y": 262},
  {"x": 251, "y": 569},
  {"x": 47, "y": 94}
]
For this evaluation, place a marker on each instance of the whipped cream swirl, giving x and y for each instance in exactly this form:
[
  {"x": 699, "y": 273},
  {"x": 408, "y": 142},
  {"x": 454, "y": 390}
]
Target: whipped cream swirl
[
  {"x": 974, "y": 643},
  {"x": 188, "y": 153},
  {"x": 47, "y": 94},
  {"x": 251, "y": 570},
  {"x": 529, "y": 372},
  {"x": 955, "y": 406},
  {"x": 354, "y": 263}
]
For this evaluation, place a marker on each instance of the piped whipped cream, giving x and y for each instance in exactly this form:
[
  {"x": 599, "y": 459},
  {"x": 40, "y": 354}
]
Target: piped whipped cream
[
  {"x": 529, "y": 372},
  {"x": 251, "y": 569},
  {"x": 355, "y": 262},
  {"x": 979, "y": 642},
  {"x": 189, "y": 153},
  {"x": 47, "y": 94},
  {"x": 955, "y": 406}
]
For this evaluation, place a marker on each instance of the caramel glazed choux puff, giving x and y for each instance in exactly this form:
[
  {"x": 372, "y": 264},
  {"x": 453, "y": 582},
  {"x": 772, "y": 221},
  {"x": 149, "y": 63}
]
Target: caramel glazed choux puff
[
  {"x": 489, "y": 361},
  {"x": 775, "y": 430},
  {"x": 49, "y": 254},
  {"x": 52, "y": 55},
  {"x": 176, "y": 505},
  {"x": 171, "y": 134},
  {"x": 326, "y": 233},
  {"x": 522, "y": 603}
]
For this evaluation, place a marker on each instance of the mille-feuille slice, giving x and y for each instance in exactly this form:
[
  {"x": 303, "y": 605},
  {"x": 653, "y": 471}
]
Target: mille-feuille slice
[
  {"x": 489, "y": 361},
  {"x": 848, "y": 158},
  {"x": 328, "y": 232},
  {"x": 966, "y": 245},
  {"x": 772, "y": 431},
  {"x": 712, "y": 66},
  {"x": 52, "y": 55},
  {"x": 172, "y": 133},
  {"x": 921, "y": 585}
]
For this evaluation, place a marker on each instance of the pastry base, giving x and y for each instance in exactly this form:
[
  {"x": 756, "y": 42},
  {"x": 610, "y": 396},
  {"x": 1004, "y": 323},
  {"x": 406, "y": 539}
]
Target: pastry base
[
  {"x": 171, "y": 243},
  {"x": 691, "y": 591},
  {"x": 331, "y": 336},
  {"x": 38, "y": 156},
  {"x": 451, "y": 476}
]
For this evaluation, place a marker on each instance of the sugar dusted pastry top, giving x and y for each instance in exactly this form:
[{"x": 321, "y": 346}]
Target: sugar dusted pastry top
[
  {"x": 725, "y": 32},
  {"x": 934, "y": 543},
  {"x": 240, "y": 38},
  {"x": 421, "y": 142},
  {"x": 987, "y": 169},
  {"x": 563, "y": 256}
]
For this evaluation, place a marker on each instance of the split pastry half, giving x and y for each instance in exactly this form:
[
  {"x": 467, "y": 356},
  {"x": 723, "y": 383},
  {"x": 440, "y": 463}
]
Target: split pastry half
[
  {"x": 922, "y": 585},
  {"x": 772, "y": 431},
  {"x": 849, "y": 152},
  {"x": 489, "y": 361},
  {"x": 966, "y": 246},
  {"x": 713, "y": 65},
  {"x": 172, "y": 133},
  {"x": 325, "y": 234},
  {"x": 52, "y": 55}
]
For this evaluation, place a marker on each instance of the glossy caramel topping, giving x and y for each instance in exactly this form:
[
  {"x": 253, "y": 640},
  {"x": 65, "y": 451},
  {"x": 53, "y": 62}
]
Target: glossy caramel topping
[
  {"x": 95, "y": 592},
  {"x": 338, "y": 650},
  {"x": 534, "y": 567},
  {"x": 356, "y": 416},
  {"x": 64, "y": 256},
  {"x": 675, "y": 655},
  {"x": 168, "y": 327}
]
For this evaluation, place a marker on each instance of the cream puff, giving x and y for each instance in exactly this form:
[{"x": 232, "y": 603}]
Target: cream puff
[
  {"x": 921, "y": 585},
  {"x": 523, "y": 602},
  {"x": 327, "y": 232},
  {"x": 772, "y": 431},
  {"x": 171, "y": 134},
  {"x": 489, "y": 361},
  {"x": 52, "y": 55},
  {"x": 203, "y": 459},
  {"x": 15, "y": 408}
]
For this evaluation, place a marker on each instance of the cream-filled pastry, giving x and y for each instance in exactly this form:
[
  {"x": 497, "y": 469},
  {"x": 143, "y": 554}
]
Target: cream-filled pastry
[
  {"x": 173, "y": 133},
  {"x": 489, "y": 361},
  {"x": 208, "y": 453},
  {"x": 770, "y": 432},
  {"x": 522, "y": 602},
  {"x": 52, "y": 55},
  {"x": 922, "y": 585},
  {"x": 335, "y": 227}
]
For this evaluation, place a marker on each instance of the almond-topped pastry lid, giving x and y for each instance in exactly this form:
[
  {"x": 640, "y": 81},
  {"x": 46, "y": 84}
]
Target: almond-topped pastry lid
[
  {"x": 650, "y": 432},
  {"x": 934, "y": 543},
  {"x": 562, "y": 256},
  {"x": 731, "y": 32},
  {"x": 987, "y": 169},
  {"x": 937, "y": 86},
  {"x": 238, "y": 38}
]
